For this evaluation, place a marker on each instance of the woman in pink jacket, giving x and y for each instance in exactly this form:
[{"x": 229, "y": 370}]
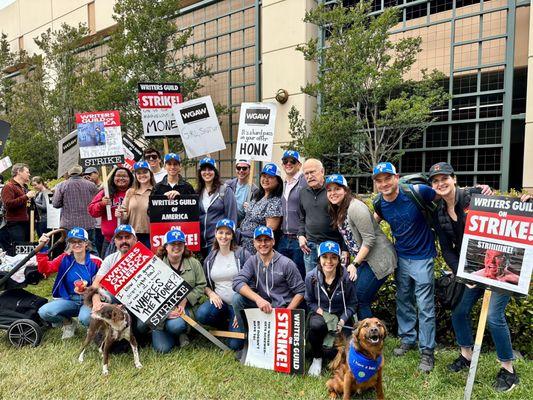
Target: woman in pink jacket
[{"x": 119, "y": 182}]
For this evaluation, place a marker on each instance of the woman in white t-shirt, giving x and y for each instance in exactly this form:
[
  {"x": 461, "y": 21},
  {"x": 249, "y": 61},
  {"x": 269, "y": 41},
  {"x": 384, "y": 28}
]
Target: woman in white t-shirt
[{"x": 220, "y": 267}]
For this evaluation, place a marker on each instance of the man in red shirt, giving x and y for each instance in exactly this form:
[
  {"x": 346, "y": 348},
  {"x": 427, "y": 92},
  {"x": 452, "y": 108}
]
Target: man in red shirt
[{"x": 16, "y": 198}]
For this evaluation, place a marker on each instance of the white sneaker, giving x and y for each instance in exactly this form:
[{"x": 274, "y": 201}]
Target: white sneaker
[
  {"x": 184, "y": 340},
  {"x": 316, "y": 367},
  {"x": 69, "y": 329}
]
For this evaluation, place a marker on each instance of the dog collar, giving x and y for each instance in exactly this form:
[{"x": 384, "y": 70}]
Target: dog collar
[{"x": 362, "y": 367}]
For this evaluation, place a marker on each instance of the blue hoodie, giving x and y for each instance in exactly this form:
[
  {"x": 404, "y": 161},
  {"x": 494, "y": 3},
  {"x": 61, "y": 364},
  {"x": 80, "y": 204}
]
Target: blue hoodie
[{"x": 223, "y": 205}]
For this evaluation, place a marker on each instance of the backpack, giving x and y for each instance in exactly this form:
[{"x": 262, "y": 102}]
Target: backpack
[{"x": 409, "y": 185}]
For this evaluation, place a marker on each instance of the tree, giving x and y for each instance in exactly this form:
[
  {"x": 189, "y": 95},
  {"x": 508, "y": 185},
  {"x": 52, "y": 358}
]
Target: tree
[{"x": 367, "y": 107}]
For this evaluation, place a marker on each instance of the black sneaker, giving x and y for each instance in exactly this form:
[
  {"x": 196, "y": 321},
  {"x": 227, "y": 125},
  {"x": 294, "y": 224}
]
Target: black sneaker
[
  {"x": 403, "y": 349},
  {"x": 506, "y": 381},
  {"x": 427, "y": 361},
  {"x": 459, "y": 364}
]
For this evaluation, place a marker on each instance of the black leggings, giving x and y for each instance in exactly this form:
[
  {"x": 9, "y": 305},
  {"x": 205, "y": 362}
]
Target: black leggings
[{"x": 318, "y": 330}]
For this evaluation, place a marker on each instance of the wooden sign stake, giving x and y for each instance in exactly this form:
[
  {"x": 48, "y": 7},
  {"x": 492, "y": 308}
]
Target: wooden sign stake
[
  {"x": 165, "y": 145},
  {"x": 106, "y": 191}
]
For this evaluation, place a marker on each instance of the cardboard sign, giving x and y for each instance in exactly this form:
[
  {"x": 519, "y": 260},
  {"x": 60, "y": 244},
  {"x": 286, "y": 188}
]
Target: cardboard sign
[
  {"x": 147, "y": 286},
  {"x": 155, "y": 102},
  {"x": 257, "y": 125},
  {"x": 53, "y": 215},
  {"x": 5, "y": 164},
  {"x": 99, "y": 138},
  {"x": 180, "y": 213},
  {"x": 276, "y": 340},
  {"x": 5, "y": 128},
  {"x": 199, "y": 127},
  {"x": 132, "y": 152},
  {"x": 69, "y": 152},
  {"x": 24, "y": 247},
  {"x": 497, "y": 248}
]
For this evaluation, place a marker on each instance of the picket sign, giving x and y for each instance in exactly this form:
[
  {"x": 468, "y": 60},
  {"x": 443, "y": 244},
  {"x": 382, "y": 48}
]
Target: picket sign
[
  {"x": 106, "y": 192},
  {"x": 208, "y": 335},
  {"x": 32, "y": 225},
  {"x": 477, "y": 345},
  {"x": 165, "y": 145}
]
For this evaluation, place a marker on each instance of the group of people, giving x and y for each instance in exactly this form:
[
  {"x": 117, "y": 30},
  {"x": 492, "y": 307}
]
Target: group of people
[{"x": 303, "y": 241}]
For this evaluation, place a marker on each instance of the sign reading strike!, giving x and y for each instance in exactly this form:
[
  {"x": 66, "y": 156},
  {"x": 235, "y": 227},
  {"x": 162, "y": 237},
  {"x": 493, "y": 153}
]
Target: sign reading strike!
[
  {"x": 497, "y": 248},
  {"x": 147, "y": 286},
  {"x": 69, "y": 153},
  {"x": 180, "y": 213},
  {"x": 199, "y": 127},
  {"x": 99, "y": 138},
  {"x": 276, "y": 340},
  {"x": 155, "y": 102},
  {"x": 257, "y": 125}
]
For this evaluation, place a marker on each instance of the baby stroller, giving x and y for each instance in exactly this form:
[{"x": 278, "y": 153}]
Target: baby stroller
[{"x": 18, "y": 307}]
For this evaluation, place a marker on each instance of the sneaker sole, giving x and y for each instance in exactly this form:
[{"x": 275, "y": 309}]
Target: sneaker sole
[{"x": 508, "y": 390}]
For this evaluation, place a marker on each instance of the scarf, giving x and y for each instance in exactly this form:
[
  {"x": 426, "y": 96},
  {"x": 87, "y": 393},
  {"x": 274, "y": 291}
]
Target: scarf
[{"x": 362, "y": 367}]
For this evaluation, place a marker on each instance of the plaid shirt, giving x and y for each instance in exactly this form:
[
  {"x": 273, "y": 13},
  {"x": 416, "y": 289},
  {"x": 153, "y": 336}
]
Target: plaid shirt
[{"x": 73, "y": 196}]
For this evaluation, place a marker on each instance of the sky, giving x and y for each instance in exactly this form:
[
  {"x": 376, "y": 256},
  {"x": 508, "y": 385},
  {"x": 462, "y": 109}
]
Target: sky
[{"x": 4, "y": 3}]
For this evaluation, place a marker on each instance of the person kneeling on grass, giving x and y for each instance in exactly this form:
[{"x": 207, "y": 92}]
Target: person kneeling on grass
[
  {"x": 224, "y": 261},
  {"x": 175, "y": 254},
  {"x": 331, "y": 298},
  {"x": 76, "y": 269},
  {"x": 275, "y": 278}
]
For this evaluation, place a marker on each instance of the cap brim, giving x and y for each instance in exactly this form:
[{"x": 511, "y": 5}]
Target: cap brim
[{"x": 268, "y": 236}]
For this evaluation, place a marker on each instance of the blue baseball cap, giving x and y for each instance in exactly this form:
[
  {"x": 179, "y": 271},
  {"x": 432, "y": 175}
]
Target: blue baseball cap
[
  {"x": 291, "y": 153},
  {"x": 263, "y": 231},
  {"x": 338, "y": 179},
  {"x": 141, "y": 165},
  {"x": 208, "y": 161},
  {"x": 383, "y": 168},
  {"x": 77, "y": 233},
  {"x": 174, "y": 236},
  {"x": 228, "y": 223},
  {"x": 172, "y": 156},
  {"x": 329, "y": 247},
  {"x": 125, "y": 228},
  {"x": 271, "y": 169}
]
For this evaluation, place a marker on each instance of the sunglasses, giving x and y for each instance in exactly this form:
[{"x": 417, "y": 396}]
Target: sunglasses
[
  {"x": 241, "y": 168},
  {"x": 289, "y": 161},
  {"x": 151, "y": 157}
]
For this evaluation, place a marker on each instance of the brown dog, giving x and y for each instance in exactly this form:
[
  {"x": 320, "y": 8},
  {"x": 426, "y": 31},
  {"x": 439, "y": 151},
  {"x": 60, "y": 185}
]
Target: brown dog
[
  {"x": 109, "y": 324},
  {"x": 362, "y": 354}
]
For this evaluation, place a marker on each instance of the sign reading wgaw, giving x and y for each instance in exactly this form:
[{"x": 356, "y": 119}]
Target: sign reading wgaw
[{"x": 257, "y": 125}]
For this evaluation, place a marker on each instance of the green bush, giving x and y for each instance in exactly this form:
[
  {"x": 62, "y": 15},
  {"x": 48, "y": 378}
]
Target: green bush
[{"x": 519, "y": 312}]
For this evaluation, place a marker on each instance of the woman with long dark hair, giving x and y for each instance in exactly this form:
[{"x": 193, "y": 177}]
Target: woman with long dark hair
[
  {"x": 373, "y": 255},
  {"x": 41, "y": 202},
  {"x": 119, "y": 182},
  {"x": 265, "y": 207},
  {"x": 217, "y": 201}
]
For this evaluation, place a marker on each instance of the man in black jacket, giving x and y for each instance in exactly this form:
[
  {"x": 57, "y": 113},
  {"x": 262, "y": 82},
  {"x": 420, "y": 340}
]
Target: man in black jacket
[{"x": 172, "y": 184}]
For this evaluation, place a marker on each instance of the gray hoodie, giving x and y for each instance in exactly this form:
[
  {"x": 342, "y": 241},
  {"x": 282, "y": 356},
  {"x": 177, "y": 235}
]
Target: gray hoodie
[{"x": 277, "y": 283}]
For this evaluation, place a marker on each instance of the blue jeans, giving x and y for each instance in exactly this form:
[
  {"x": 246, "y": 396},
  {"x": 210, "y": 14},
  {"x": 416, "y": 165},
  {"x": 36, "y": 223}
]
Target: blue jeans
[
  {"x": 290, "y": 247},
  {"x": 221, "y": 318},
  {"x": 311, "y": 259},
  {"x": 415, "y": 288},
  {"x": 366, "y": 288},
  {"x": 462, "y": 322},
  {"x": 163, "y": 340},
  {"x": 241, "y": 303},
  {"x": 60, "y": 311}
]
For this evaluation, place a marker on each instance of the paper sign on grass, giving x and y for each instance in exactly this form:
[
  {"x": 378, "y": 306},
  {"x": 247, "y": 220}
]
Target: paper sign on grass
[
  {"x": 497, "y": 247},
  {"x": 257, "y": 124},
  {"x": 155, "y": 102},
  {"x": 199, "y": 127},
  {"x": 69, "y": 153}
]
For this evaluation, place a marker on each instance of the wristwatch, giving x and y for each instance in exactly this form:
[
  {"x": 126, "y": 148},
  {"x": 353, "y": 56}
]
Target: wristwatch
[{"x": 356, "y": 264}]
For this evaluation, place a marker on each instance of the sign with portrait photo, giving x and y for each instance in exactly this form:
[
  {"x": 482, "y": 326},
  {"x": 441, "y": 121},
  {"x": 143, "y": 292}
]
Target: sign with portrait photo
[
  {"x": 155, "y": 102},
  {"x": 99, "y": 138},
  {"x": 497, "y": 248},
  {"x": 257, "y": 124}
]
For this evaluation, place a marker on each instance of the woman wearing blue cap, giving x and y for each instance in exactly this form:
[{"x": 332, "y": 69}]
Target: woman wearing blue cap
[
  {"x": 76, "y": 269},
  {"x": 331, "y": 298},
  {"x": 265, "y": 207},
  {"x": 180, "y": 259},
  {"x": 217, "y": 201},
  {"x": 374, "y": 257},
  {"x": 220, "y": 267},
  {"x": 134, "y": 208}
]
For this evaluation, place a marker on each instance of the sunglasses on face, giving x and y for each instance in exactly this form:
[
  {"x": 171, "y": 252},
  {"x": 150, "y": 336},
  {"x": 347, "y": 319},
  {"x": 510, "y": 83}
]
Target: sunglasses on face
[
  {"x": 151, "y": 157},
  {"x": 241, "y": 168},
  {"x": 289, "y": 161}
]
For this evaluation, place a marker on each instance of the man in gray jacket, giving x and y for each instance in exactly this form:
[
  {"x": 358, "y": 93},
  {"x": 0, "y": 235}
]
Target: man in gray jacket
[
  {"x": 267, "y": 280},
  {"x": 242, "y": 187}
]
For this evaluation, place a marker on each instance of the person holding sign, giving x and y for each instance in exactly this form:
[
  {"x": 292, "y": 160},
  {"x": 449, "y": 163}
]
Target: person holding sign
[
  {"x": 374, "y": 257},
  {"x": 217, "y": 201},
  {"x": 119, "y": 182},
  {"x": 134, "y": 209},
  {"x": 76, "y": 269},
  {"x": 451, "y": 216},
  {"x": 176, "y": 255},
  {"x": 172, "y": 184},
  {"x": 275, "y": 278},
  {"x": 220, "y": 267},
  {"x": 331, "y": 298},
  {"x": 265, "y": 207}
]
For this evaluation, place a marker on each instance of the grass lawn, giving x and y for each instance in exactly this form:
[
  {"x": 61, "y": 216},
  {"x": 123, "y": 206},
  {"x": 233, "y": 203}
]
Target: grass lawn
[{"x": 201, "y": 371}]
